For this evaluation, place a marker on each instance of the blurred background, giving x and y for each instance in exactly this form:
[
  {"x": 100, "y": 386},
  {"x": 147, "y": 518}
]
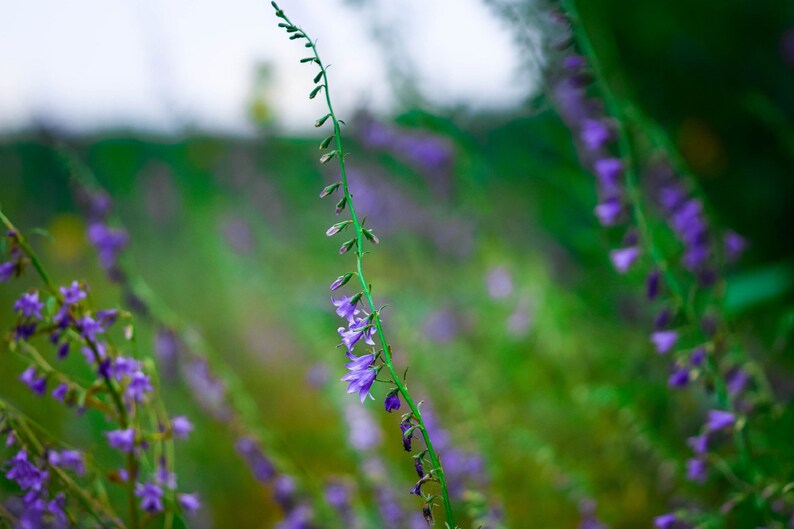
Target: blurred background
[{"x": 530, "y": 350}]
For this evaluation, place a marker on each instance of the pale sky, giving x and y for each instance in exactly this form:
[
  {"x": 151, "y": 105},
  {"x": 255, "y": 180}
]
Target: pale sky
[{"x": 160, "y": 64}]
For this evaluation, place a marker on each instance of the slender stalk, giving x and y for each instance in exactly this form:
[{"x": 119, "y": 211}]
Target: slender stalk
[{"x": 438, "y": 471}]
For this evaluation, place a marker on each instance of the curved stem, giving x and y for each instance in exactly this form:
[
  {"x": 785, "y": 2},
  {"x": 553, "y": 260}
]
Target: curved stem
[{"x": 438, "y": 471}]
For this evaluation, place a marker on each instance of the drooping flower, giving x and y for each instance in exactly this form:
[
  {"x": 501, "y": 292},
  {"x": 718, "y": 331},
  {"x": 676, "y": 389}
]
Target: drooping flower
[
  {"x": 392, "y": 402},
  {"x": 664, "y": 340},
  {"x": 623, "y": 258},
  {"x": 406, "y": 435},
  {"x": 181, "y": 426},
  {"x": 7, "y": 271},
  {"x": 361, "y": 376},
  {"x": 29, "y": 305},
  {"x": 189, "y": 502},
  {"x": 37, "y": 384},
  {"x": 123, "y": 440},
  {"x": 696, "y": 470},
  {"x": 346, "y": 307},
  {"x": 151, "y": 496},
  {"x": 665, "y": 521},
  {"x": 718, "y": 419},
  {"x": 60, "y": 392}
]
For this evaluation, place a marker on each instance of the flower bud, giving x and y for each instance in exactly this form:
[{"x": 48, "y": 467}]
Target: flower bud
[
  {"x": 330, "y": 189},
  {"x": 341, "y": 281}
]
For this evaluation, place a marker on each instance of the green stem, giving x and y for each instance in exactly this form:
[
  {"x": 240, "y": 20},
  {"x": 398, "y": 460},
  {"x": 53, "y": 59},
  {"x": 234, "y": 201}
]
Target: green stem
[{"x": 438, "y": 471}]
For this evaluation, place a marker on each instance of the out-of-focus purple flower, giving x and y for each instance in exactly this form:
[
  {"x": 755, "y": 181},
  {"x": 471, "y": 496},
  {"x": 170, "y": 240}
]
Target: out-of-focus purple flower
[
  {"x": 737, "y": 381},
  {"x": 68, "y": 459},
  {"x": 718, "y": 419},
  {"x": 623, "y": 258},
  {"x": 735, "y": 245},
  {"x": 108, "y": 242},
  {"x": 696, "y": 470},
  {"x": 163, "y": 476},
  {"x": 665, "y": 521},
  {"x": 29, "y": 305},
  {"x": 346, "y": 307},
  {"x": 123, "y": 440},
  {"x": 59, "y": 393},
  {"x": 151, "y": 496},
  {"x": 392, "y": 402},
  {"x": 37, "y": 384},
  {"x": 363, "y": 433},
  {"x": 89, "y": 328},
  {"x": 140, "y": 384},
  {"x": 73, "y": 293},
  {"x": 7, "y": 271},
  {"x": 25, "y": 473},
  {"x": 208, "y": 390},
  {"x": 609, "y": 211},
  {"x": 698, "y": 355},
  {"x": 181, "y": 426},
  {"x": 609, "y": 172},
  {"x": 499, "y": 282},
  {"x": 189, "y": 502},
  {"x": 284, "y": 492},
  {"x": 679, "y": 378},
  {"x": 124, "y": 366},
  {"x": 24, "y": 331},
  {"x": 594, "y": 134},
  {"x": 652, "y": 284},
  {"x": 699, "y": 444},
  {"x": 260, "y": 466},
  {"x": 664, "y": 341},
  {"x": 361, "y": 375}
]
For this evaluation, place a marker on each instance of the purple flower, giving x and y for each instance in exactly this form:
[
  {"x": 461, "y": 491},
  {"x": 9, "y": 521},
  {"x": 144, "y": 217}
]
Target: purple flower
[
  {"x": 609, "y": 172},
  {"x": 63, "y": 350},
  {"x": 719, "y": 419},
  {"x": 735, "y": 245},
  {"x": 594, "y": 134},
  {"x": 89, "y": 328},
  {"x": 346, "y": 307},
  {"x": 25, "y": 473},
  {"x": 420, "y": 471},
  {"x": 68, "y": 459},
  {"x": 679, "y": 378},
  {"x": 698, "y": 355},
  {"x": 359, "y": 329},
  {"x": 284, "y": 492},
  {"x": 189, "y": 502},
  {"x": 29, "y": 305},
  {"x": 260, "y": 466},
  {"x": 108, "y": 243},
  {"x": 37, "y": 384},
  {"x": 73, "y": 293},
  {"x": 623, "y": 258},
  {"x": 696, "y": 470},
  {"x": 24, "y": 331},
  {"x": 59, "y": 393},
  {"x": 151, "y": 496},
  {"x": 361, "y": 376},
  {"x": 139, "y": 385},
  {"x": 665, "y": 521},
  {"x": 664, "y": 340},
  {"x": 404, "y": 427},
  {"x": 652, "y": 284},
  {"x": 609, "y": 211},
  {"x": 392, "y": 402},
  {"x": 341, "y": 280},
  {"x": 124, "y": 366},
  {"x": 699, "y": 444},
  {"x": 737, "y": 381},
  {"x": 7, "y": 271},
  {"x": 123, "y": 440},
  {"x": 181, "y": 426}
]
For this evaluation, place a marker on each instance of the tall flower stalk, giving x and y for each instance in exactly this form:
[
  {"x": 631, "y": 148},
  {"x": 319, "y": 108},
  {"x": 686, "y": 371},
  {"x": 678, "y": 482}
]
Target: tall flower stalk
[{"x": 362, "y": 371}]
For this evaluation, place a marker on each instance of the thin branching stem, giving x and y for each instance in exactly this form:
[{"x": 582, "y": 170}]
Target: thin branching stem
[{"x": 438, "y": 471}]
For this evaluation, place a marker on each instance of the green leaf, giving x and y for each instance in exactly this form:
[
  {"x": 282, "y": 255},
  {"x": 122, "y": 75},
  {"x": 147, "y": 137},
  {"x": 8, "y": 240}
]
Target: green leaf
[{"x": 757, "y": 286}]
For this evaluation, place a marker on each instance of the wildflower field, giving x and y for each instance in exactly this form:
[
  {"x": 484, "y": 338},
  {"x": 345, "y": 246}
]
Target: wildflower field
[{"x": 575, "y": 312}]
